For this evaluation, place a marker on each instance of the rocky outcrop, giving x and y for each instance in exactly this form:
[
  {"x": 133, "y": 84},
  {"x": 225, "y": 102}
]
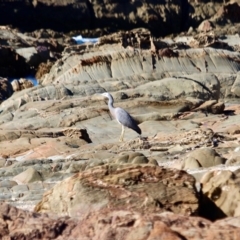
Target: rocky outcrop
[
  {"x": 122, "y": 224},
  {"x": 95, "y": 18},
  {"x": 143, "y": 188},
  {"x": 21, "y": 84},
  {"x": 94, "y": 15}
]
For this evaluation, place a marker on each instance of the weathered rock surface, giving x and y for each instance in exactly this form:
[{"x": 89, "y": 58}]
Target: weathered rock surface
[
  {"x": 21, "y": 84},
  {"x": 143, "y": 188},
  {"x": 223, "y": 189},
  {"x": 30, "y": 175},
  {"x": 107, "y": 224}
]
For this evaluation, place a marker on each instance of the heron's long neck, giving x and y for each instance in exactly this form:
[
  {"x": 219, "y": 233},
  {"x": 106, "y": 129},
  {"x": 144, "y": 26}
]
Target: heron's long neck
[{"x": 110, "y": 103}]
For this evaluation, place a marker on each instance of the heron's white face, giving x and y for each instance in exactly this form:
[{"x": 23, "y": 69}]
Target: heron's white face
[{"x": 105, "y": 94}]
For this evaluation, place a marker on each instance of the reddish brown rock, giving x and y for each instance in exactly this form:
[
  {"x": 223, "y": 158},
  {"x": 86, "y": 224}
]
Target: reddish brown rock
[
  {"x": 205, "y": 26},
  {"x": 167, "y": 226},
  {"x": 20, "y": 224},
  {"x": 108, "y": 225}
]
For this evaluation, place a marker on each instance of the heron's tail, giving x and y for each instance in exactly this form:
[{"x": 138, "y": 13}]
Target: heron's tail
[{"x": 138, "y": 129}]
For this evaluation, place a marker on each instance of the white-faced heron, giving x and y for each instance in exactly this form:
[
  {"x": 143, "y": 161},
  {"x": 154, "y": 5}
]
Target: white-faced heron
[{"x": 122, "y": 116}]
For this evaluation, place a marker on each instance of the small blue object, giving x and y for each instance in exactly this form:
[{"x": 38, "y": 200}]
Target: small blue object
[{"x": 80, "y": 40}]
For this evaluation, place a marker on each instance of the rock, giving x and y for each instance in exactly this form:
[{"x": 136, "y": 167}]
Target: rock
[
  {"x": 135, "y": 158},
  {"x": 33, "y": 58},
  {"x": 46, "y": 143},
  {"x": 205, "y": 26},
  {"x": 229, "y": 11},
  {"x": 6, "y": 89},
  {"x": 218, "y": 108},
  {"x": 122, "y": 224},
  {"x": 236, "y": 86},
  {"x": 28, "y": 176},
  {"x": 12, "y": 64},
  {"x": 113, "y": 185},
  {"x": 211, "y": 106},
  {"x": 8, "y": 183},
  {"x": 168, "y": 226},
  {"x": 203, "y": 157},
  {"x": 233, "y": 129},
  {"x": 234, "y": 161},
  {"x": 20, "y": 84},
  {"x": 32, "y": 225},
  {"x": 93, "y": 15},
  {"x": 222, "y": 187},
  {"x": 43, "y": 69}
]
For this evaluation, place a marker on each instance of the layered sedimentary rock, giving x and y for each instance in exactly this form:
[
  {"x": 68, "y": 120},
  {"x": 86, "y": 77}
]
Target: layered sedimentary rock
[{"x": 142, "y": 188}]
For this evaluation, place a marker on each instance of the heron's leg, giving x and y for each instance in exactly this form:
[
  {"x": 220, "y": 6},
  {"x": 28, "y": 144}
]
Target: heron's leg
[{"x": 122, "y": 134}]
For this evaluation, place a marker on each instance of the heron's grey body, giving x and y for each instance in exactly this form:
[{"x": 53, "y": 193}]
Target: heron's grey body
[{"x": 122, "y": 116}]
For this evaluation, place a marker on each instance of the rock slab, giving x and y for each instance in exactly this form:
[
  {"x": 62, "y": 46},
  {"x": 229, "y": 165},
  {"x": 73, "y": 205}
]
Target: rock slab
[{"x": 144, "y": 188}]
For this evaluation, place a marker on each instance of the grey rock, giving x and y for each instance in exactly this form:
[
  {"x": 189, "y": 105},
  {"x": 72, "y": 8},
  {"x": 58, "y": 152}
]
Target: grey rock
[
  {"x": 8, "y": 183},
  {"x": 30, "y": 175},
  {"x": 20, "y": 188},
  {"x": 203, "y": 157}
]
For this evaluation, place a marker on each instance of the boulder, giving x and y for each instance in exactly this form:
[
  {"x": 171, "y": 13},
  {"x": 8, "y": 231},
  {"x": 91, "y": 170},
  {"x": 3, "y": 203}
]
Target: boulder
[
  {"x": 222, "y": 187},
  {"x": 144, "y": 188},
  {"x": 28, "y": 176},
  {"x": 205, "y": 26},
  {"x": 211, "y": 106},
  {"x": 21, "y": 84},
  {"x": 135, "y": 158},
  {"x": 203, "y": 157}
]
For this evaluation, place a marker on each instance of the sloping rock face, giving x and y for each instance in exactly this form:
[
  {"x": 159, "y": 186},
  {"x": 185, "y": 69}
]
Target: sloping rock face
[
  {"x": 107, "y": 225},
  {"x": 143, "y": 188},
  {"x": 139, "y": 66}
]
